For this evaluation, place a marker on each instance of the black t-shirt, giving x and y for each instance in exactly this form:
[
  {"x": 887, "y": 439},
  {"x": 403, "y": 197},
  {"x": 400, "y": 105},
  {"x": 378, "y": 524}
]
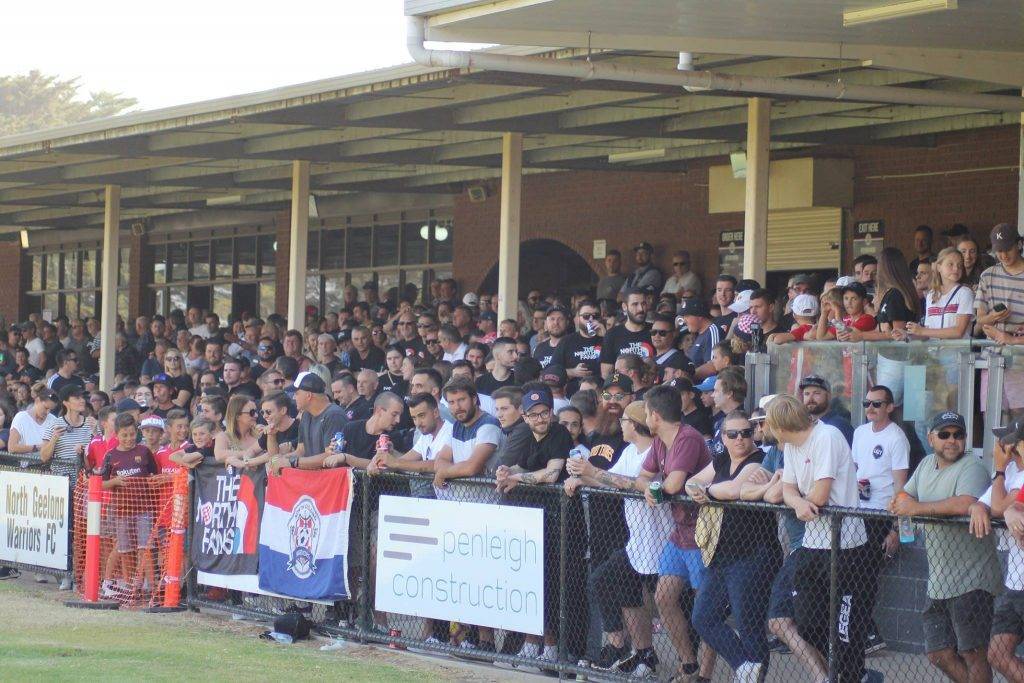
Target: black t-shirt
[
  {"x": 605, "y": 449},
  {"x": 360, "y": 443},
  {"x": 556, "y": 444},
  {"x": 359, "y": 409},
  {"x": 58, "y": 382},
  {"x": 374, "y": 360},
  {"x": 743, "y": 531},
  {"x": 544, "y": 353},
  {"x": 393, "y": 383},
  {"x": 578, "y": 349},
  {"x": 290, "y": 435},
  {"x": 29, "y": 372},
  {"x": 486, "y": 383},
  {"x": 182, "y": 383},
  {"x": 701, "y": 421},
  {"x": 724, "y": 322},
  {"x": 52, "y": 349},
  {"x": 415, "y": 347},
  {"x": 621, "y": 341},
  {"x": 894, "y": 308}
]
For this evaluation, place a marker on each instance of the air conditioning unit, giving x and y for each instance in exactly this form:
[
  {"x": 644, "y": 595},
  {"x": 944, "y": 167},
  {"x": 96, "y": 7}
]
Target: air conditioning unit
[{"x": 477, "y": 193}]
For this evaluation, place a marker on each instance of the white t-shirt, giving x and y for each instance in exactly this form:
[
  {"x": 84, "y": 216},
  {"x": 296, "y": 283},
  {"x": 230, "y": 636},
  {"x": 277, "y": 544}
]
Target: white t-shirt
[
  {"x": 429, "y": 446},
  {"x": 826, "y": 455},
  {"x": 34, "y": 348},
  {"x": 876, "y": 455},
  {"x": 649, "y": 528},
  {"x": 942, "y": 309},
  {"x": 1015, "y": 554},
  {"x": 32, "y": 432}
]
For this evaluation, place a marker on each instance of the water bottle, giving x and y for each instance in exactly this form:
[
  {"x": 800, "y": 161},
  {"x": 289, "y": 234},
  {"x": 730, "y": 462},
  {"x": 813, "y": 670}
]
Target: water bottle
[
  {"x": 906, "y": 526},
  {"x": 756, "y": 338}
]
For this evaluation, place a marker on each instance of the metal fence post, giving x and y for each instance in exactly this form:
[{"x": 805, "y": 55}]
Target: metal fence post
[
  {"x": 836, "y": 524},
  {"x": 965, "y": 390},
  {"x": 859, "y": 359},
  {"x": 364, "y": 617},
  {"x": 562, "y": 612},
  {"x": 996, "y": 364}
]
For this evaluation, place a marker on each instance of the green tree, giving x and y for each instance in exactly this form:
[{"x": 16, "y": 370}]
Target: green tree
[{"x": 35, "y": 101}]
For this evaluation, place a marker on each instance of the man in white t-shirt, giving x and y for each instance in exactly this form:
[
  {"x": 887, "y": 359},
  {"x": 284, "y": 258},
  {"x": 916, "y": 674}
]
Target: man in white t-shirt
[
  {"x": 433, "y": 435},
  {"x": 881, "y": 454},
  {"x": 819, "y": 471}
]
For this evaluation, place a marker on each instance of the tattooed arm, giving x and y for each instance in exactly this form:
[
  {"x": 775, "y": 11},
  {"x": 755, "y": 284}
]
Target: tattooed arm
[{"x": 548, "y": 475}]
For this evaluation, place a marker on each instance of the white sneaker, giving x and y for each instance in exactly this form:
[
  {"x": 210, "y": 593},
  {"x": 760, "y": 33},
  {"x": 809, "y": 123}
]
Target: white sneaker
[
  {"x": 748, "y": 672},
  {"x": 529, "y": 651},
  {"x": 42, "y": 578},
  {"x": 65, "y": 583}
]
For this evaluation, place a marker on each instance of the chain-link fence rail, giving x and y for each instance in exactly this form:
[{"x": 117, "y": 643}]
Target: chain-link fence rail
[
  {"x": 601, "y": 585},
  {"x": 38, "y": 520}
]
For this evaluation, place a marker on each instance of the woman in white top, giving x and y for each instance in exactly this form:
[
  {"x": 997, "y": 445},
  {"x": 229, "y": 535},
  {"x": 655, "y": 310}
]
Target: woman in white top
[
  {"x": 28, "y": 426},
  {"x": 949, "y": 304},
  {"x": 238, "y": 445},
  {"x": 65, "y": 440}
]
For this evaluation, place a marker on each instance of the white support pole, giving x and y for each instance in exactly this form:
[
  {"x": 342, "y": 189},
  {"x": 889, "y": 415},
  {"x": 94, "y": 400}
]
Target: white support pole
[
  {"x": 1020, "y": 180},
  {"x": 508, "y": 238},
  {"x": 297, "y": 246},
  {"x": 755, "y": 216},
  {"x": 108, "y": 292}
]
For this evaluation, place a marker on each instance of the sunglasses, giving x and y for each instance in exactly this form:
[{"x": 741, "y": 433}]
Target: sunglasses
[
  {"x": 406, "y": 324},
  {"x": 660, "y": 333},
  {"x": 946, "y": 435},
  {"x": 588, "y": 316},
  {"x": 680, "y": 263},
  {"x": 613, "y": 397},
  {"x": 278, "y": 382},
  {"x": 251, "y": 412},
  {"x": 267, "y": 413},
  {"x": 874, "y": 404},
  {"x": 431, "y": 342},
  {"x": 423, "y": 326},
  {"x": 740, "y": 433}
]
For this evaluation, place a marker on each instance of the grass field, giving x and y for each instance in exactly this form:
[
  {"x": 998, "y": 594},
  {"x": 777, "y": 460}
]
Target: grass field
[{"x": 40, "y": 639}]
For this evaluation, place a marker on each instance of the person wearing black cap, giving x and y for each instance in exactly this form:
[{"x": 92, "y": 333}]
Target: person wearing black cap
[
  {"x": 705, "y": 333},
  {"x": 1000, "y": 296},
  {"x": 963, "y": 570},
  {"x": 320, "y": 421},
  {"x": 816, "y": 395},
  {"x": 65, "y": 439},
  {"x": 556, "y": 325},
  {"x": 631, "y": 337},
  {"x": 646, "y": 273},
  {"x": 163, "y": 395},
  {"x": 555, "y": 378}
]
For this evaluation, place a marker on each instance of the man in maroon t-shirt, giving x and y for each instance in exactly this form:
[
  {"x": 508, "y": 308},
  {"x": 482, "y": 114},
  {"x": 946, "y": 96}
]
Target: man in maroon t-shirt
[
  {"x": 677, "y": 453},
  {"x": 124, "y": 469}
]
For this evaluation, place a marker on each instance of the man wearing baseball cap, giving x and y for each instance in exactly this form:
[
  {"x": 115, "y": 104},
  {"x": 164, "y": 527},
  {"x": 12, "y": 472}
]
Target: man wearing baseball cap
[
  {"x": 1000, "y": 304},
  {"x": 963, "y": 570},
  {"x": 646, "y": 273},
  {"x": 706, "y": 335},
  {"x": 816, "y": 395},
  {"x": 320, "y": 421},
  {"x": 804, "y": 309}
]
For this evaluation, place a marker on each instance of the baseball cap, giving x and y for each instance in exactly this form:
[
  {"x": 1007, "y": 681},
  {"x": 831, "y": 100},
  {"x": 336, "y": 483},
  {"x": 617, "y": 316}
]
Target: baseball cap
[
  {"x": 344, "y": 334},
  {"x": 845, "y": 281},
  {"x": 680, "y": 361},
  {"x": 554, "y": 374},
  {"x": 619, "y": 380},
  {"x": 801, "y": 279},
  {"x": 470, "y": 299},
  {"x": 805, "y": 305},
  {"x": 747, "y": 284},
  {"x": 694, "y": 307},
  {"x": 537, "y": 397},
  {"x": 162, "y": 378},
  {"x": 858, "y": 288},
  {"x": 1004, "y": 237},
  {"x": 948, "y": 419},
  {"x": 308, "y": 381},
  {"x": 153, "y": 422},
  {"x": 636, "y": 412},
  {"x": 741, "y": 304},
  {"x": 644, "y": 245},
  {"x": 1011, "y": 433},
  {"x": 489, "y": 315},
  {"x": 127, "y": 404},
  {"x": 707, "y": 385},
  {"x": 70, "y": 390},
  {"x": 815, "y": 381},
  {"x": 765, "y": 400}
]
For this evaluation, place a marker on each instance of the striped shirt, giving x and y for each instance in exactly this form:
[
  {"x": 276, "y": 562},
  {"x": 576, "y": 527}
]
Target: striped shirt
[
  {"x": 997, "y": 286},
  {"x": 66, "y": 451}
]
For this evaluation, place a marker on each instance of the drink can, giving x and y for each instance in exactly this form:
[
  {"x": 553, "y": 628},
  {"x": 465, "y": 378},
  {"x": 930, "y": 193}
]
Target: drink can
[
  {"x": 395, "y": 633},
  {"x": 383, "y": 442},
  {"x": 338, "y": 442},
  {"x": 864, "y": 488},
  {"x": 591, "y": 327},
  {"x": 656, "y": 492}
]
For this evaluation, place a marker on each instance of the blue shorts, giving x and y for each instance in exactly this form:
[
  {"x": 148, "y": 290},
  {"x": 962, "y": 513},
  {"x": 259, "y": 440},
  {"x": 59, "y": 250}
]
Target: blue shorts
[
  {"x": 687, "y": 563},
  {"x": 781, "y": 602}
]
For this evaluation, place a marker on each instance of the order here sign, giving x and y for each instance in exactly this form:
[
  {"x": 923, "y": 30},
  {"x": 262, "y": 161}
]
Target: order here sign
[
  {"x": 467, "y": 562},
  {"x": 34, "y": 519}
]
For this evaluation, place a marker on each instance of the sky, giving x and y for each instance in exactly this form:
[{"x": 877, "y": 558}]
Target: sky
[{"x": 167, "y": 53}]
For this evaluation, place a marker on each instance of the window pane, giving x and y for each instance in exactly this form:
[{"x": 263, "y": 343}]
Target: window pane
[
  {"x": 52, "y": 272},
  {"x": 222, "y": 300},
  {"x": 268, "y": 254},
  {"x": 313, "y": 291},
  {"x": 124, "y": 262},
  {"x": 332, "y": 249},
  {"x": 386, "y": 281},
  {"x": 50, "y": 304},
  {"x": 441, "y": 246},
  {"x": 268, "y": 303},
  {"x": 122, "y": 303},
  {"x": 37, "y": 272},
  {"x": 87, "y": 305},
  {"x": 313, "y": 251},
  {"x": 414, "y": 242},
  {"x": 414, "y": 277},
  {"x": 357, "y": 280},
  {"x": 200, "y": 258},
  {"x": 385, "y": 245},
  {"x": 222, "y": 259},
  {"x": 245, "y": 248},
  {"x": 177, "y": 256},
  {"x": 70, "y": 308},
  {"x": 159, "y": 255},
  {"x": 71, "y": 270},
  {"x": 333, "y": 287},
  {"x": 160, "y": 301},
  {"x": 88, "y": 268},
  {"x": 178, "y": 298},
  {"x": 358, "y": 248}
]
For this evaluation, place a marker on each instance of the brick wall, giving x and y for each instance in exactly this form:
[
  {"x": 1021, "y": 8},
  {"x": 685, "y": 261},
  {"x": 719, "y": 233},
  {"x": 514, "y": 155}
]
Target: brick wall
[
  {"x": 669, "y": 210},
  {"x": 284, "y": 238},
  {"x": 16, "y": 267}
]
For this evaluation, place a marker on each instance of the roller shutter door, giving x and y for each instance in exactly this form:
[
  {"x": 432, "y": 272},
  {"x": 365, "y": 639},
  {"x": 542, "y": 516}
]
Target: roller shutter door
[{"x": 804, "y": 239}]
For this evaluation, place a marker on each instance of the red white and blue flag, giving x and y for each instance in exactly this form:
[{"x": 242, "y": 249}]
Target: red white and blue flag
[{"x": 304, "y": 534}]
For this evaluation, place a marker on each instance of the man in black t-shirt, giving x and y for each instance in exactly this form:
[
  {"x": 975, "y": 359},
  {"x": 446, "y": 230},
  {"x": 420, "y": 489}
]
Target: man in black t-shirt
[
  {"x": 361, "y": 436},
  {"x": 364, "y": 355},
  {"x": 556, "y": 324},
  {"x": 505, "y": 355},
  {"x": 725, "y": 294},
  {"x": 275, "y": 410},
  {"x": 629, "y": 338},
  {"x": 580, "y": 352},
  {"x": 346, "y": 394}
]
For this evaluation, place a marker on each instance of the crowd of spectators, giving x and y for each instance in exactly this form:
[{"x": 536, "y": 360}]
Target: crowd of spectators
[{"x": 640, "y": 381}]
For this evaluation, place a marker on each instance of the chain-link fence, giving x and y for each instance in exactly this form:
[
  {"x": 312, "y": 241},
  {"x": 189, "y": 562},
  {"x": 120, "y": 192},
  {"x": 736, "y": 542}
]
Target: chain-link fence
[{"x": 626, "y": 592}]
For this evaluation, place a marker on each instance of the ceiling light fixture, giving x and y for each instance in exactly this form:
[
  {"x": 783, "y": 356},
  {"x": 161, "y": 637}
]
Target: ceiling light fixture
[{"x": 895, "y": 10}]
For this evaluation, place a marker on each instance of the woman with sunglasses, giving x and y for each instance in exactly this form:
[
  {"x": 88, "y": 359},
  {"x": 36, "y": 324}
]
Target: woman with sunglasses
[
  {"x": 238, "y": 445},
  {"x": 745, "y": 559},
  {"x": 181, "y": 384}
]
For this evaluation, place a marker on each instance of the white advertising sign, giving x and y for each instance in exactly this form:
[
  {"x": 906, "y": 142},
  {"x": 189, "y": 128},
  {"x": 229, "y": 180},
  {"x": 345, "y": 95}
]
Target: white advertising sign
[
  {"x": 34, "y": 523},
  {"x": 467, "y": 562}
]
